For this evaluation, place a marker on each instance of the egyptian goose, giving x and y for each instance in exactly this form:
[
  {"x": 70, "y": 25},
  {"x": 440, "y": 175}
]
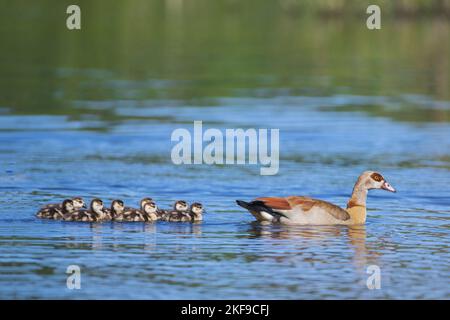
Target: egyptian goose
[{"x": 305, "y": 210}]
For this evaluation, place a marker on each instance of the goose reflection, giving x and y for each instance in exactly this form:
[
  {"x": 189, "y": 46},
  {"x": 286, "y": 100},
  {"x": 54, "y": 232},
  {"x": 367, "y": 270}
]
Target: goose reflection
[
  {"x": 330, "y": 238},
  {"x": 290, "y": 232}
]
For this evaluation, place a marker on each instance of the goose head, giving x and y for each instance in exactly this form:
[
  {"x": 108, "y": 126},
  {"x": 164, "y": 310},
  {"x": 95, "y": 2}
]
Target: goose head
[{"x": 374, "y": 180}]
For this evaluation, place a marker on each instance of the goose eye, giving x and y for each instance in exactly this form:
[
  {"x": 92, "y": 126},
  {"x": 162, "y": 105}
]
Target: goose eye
[{"x": 377, "y": 177}]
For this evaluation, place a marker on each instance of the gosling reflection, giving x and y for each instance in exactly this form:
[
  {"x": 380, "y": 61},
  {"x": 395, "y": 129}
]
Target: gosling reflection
[
  {"x": 150, "y": 236},
  {"x": 97, "y": 236},
  {"x": 183, "y": 228}
]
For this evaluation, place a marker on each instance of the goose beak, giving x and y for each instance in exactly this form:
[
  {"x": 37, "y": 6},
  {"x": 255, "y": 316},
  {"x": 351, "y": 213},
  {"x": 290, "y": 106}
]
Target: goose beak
[{"x": 386, "y": 186}]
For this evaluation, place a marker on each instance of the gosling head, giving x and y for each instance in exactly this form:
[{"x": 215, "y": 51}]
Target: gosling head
[
  {"x": 374, "y": 180},
  {"x": 181, "y": 205},
  {"x": 68, "y": 206},
  {"x": 144, "y": 201},
  {"x": 150, "y": 207},
  {"x": 78, "y": 203},
  {"x": 117, "y": 206},
  {"x": 97, "y": 206},
  {"x": 150, "y": 210},
  {"x": 197, "y": 208}
]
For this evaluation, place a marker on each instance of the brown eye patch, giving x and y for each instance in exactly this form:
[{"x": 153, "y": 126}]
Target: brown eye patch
[{"x": 377, "y": 177}]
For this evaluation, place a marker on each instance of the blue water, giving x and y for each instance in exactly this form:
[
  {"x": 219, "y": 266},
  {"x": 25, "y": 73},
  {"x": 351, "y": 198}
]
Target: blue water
[{"x": 323, "y": 149}]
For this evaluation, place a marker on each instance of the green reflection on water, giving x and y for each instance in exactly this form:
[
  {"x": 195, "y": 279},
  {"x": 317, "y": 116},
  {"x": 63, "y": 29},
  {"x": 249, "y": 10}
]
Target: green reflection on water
[{"x": 194, "y": 50}]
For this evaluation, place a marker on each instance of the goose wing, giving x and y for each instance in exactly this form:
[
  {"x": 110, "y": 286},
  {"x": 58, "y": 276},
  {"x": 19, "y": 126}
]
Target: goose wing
[{"x": 283, "y": 206}]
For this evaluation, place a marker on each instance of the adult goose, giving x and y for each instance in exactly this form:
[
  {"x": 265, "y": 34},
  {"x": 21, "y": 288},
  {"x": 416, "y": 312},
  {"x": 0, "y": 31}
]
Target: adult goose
[{"x": 308, "y": 211}]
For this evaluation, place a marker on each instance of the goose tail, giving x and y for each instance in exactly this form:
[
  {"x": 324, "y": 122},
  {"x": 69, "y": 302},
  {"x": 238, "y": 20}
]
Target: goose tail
[
  {"x": 244, "y": 204},
  {"x": 259, "y": 210}
]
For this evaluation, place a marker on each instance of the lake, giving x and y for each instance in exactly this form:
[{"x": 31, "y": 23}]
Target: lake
[{"x": 90, "y": 113}]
